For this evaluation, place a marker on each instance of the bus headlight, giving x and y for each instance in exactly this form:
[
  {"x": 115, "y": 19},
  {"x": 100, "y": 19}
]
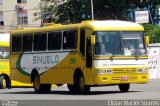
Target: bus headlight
[
  {"x": 104, "y": 71},
  {"x": 142, "y": 71}
]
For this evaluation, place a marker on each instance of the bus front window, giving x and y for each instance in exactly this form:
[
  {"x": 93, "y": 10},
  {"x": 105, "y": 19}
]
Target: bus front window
[
  {"x": 108, "y": 43},
  {"x": 120, "y": 43},
  {"x": 4, "y": 52}
]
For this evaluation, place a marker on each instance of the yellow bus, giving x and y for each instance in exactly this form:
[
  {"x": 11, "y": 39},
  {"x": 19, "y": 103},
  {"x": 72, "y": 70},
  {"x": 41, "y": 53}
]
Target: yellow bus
[
  {"x": 5, "y": 80},
  {"x": 82, "y": 55}
]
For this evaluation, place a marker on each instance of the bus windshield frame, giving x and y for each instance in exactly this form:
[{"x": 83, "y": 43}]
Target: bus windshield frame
[{"x": 120, "y": 43}]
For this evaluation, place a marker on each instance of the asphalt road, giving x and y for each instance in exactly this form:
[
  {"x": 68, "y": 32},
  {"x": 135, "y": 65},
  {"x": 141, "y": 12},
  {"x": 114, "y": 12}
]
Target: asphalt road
[{"x": 106, "y": 95}]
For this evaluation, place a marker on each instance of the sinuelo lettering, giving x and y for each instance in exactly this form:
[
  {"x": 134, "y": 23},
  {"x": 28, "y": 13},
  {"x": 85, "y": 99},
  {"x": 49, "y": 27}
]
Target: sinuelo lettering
[{"x": 48, "y": 59}]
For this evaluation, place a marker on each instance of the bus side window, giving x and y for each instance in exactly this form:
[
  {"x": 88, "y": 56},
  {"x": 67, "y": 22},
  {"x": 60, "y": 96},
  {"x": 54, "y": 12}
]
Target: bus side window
[
  {"x": 54, "y": 40},
  {"x": 70, "y": 39},
  {"x": 40, "y": 41},
  {"x": 16, "y": 43},
  {"x": 27, "y": 43}
]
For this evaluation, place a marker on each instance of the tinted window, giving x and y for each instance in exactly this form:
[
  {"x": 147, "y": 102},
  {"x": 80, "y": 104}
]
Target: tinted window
[
  {"x": 40, "y": 41},
  {"x": 70, "y": 39},
  {"x": 27, "y": 42},
  {"x": 54, "y": 40},
  {"x": 16, "y": 43}
]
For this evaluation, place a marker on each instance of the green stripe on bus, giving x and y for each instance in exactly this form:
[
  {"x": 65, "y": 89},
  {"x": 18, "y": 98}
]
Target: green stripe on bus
[{"x": 18, "y": 66}]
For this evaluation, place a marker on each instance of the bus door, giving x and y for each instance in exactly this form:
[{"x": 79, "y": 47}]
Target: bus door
[
  {"x": 89, "y": 62},
  {"x": 88, "y": 54}
]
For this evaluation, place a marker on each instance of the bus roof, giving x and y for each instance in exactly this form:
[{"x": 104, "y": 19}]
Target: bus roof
[
  {"x": 115, "y": 25},
  {"x": 110, "y": 25}
]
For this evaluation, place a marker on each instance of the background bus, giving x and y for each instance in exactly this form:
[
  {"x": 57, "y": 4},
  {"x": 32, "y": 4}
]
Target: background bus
[
  {"x": 91, "y": 53},
  {"x": 5, "y": 81}
]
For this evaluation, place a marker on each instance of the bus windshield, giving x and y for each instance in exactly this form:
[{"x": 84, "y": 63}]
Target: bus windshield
[
  {"x": 4, "y": 52},
  {"x": 121, "y": 43}
]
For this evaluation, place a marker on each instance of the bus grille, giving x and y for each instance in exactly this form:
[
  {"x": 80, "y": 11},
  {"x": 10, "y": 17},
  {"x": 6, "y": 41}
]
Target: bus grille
[
  {"x": 126, "y": 70},
  {"x": 118, "y": 78}
]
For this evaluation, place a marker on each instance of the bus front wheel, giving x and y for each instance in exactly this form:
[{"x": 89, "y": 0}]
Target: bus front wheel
[
  {"x": 3, "y": 83},
  {"x": 82, "y": 88},
  {"x": 40, "y": 88},
  {"x": 124, "y": 87},
  {"x": 72, "y": 88}
]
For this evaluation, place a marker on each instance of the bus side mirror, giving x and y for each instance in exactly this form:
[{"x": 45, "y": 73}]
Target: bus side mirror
[
  {"x": 147, "y": 40},
  {"x": 93, "y": 40}
]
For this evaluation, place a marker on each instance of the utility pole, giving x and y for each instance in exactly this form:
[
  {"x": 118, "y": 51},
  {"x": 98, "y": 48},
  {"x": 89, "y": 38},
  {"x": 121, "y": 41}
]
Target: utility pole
[{"x": 92, "y": 10}]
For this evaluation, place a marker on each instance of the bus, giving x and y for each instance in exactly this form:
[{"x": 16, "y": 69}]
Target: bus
[
  {"x": 5, "y": 80},
  {"x": 82, "y": 55}
]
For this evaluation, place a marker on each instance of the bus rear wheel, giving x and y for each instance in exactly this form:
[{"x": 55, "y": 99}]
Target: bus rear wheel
[
  {"x": 40, "y": 88},
  {"x": 3, "y": 83},
  {"x": 124, "y": 87}
]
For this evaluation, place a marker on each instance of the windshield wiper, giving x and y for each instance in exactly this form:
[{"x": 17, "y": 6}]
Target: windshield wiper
[
  {"x": 111, "y": 57},
  {"x": 134, "y": 54},
  {"x": 115, "y": 51}
]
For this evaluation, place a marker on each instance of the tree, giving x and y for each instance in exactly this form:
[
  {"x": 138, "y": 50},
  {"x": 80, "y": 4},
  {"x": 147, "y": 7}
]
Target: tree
[
  {"x": 64, "y": 11},
  {"x": 48, "y": 11},
  {"x": 73, "y": 11},
  {"x": 113, "y": 9},
  {"x": 153, "y": 32}
]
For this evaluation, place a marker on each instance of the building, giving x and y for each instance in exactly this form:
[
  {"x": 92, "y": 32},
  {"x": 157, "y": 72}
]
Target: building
[{"x": 18, "y": 13}]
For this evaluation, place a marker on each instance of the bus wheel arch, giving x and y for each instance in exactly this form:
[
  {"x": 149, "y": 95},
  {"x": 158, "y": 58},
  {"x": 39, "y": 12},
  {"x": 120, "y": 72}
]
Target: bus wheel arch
[
  {"x": 79, "y": 85},
  {"x": 5, "y": 81},
  {"x": 38, "y": 87}
]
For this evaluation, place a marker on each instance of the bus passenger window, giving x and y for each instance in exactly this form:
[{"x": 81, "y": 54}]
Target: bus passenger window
[
  {"x": 16, "y": 43},
  {"x": 54, "y": 40},
  {"x": 27, "y": 43},
  {"x": 70, "y": 39},
  {"x": 40, "y": 42}
]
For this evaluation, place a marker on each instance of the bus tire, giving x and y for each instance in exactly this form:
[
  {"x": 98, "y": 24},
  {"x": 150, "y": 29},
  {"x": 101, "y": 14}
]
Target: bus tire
[
  {"x": 82, "y": 88},
  {"x": 46, "y": 88},
  {"x": 40, "y": 88},
  {"x": 3, "y": 82},
  {"x": 124, "y": 87}
]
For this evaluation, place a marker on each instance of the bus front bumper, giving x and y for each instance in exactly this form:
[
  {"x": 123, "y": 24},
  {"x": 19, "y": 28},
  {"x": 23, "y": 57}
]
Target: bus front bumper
[{"x": 121, "y": 79}]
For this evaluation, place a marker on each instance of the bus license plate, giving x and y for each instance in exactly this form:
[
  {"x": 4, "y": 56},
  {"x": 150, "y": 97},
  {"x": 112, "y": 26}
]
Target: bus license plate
[{"x": 124, "y": 78}]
